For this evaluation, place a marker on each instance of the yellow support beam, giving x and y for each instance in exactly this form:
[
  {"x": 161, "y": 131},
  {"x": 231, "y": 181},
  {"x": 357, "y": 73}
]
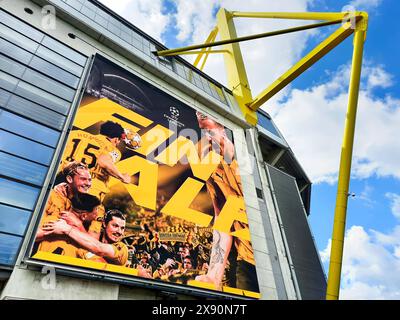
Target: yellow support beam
[
  {"x": 234, "y": 65},
  {"x": 312, "y": 57},
  {"x": 211, "y": 37},
  {"x": 196, "y": 52},
  {"x": 339, "y": 226},
  {"x": 292, "y": 15},
  {"x": 178, "y": 51}
]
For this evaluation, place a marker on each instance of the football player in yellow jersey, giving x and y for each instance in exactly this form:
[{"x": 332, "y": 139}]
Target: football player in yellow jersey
[
  {"x": 82, "y": 212},
  {"x": 109, "y": 249},
  {"x": 100, "y": 153},
  {"x": 222, "y": 183},
  {"x": 78, "y": 180}
]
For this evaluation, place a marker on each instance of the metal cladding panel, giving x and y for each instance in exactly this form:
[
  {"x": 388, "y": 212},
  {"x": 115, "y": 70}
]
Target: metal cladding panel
[{"x": 306, "y": 262}]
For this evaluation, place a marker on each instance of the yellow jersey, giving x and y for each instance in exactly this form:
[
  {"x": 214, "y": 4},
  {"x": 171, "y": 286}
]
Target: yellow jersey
[
  {"x": 57, "y": 244},
  {"x": 86, "y": 148}
]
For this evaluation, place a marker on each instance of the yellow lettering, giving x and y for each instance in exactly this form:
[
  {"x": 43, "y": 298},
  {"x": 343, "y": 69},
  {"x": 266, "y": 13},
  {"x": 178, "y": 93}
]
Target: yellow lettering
[
  {"x": 145, "y": 193},
  {"x": 234, "y": 209},
  {"x": 178, "y": 205}
]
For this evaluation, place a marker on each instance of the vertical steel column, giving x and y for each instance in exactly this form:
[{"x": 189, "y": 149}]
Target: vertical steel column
[
  {"x": 235, "y": 69},
  {"x": 335, "y": 265}
]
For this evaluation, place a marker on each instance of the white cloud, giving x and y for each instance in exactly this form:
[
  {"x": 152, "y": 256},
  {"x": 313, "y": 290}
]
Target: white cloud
[
  {"x": 378, "y": 77},
  {"x": 365, "y": 196},
  {"x": 265, "y": 59},
  {"x": 146, "y": 15},
  {"x": 319, "y": 114},
  {"x": 365, "y": 4},
  {"x": 395, "y": 203},
  {"x": 371, "y": 264},
  {"x": 325, "y": 254}
]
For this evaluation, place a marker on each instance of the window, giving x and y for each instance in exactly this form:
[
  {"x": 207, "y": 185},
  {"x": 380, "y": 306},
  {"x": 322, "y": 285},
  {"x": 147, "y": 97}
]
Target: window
[
  {"x": 10, "y": 66},
  {"x": 39, "y": 96},
  {"x": 49, "y": 85},
  {"x": 54, "y": 72},
  {"x": 63, "y": 50},
  {"x": 267, "y": 124},
  {"x": 17, "y": 194},
  {"x": 21, "y": 27},
  {"x": 15, "y": 52},
  {"x": 17, "y": 38},
  {"x": 25, "y": 148},
  {"x": 26, "y": 128},
  {"x": 38, "y": 80},
  {"x": 13, "y": 220},
  {"x": 24, "y": 170},
  {"x": 32, "y": 110},
  {"x": 59, "y": 60},
  {"x": 9, "y": 245}
]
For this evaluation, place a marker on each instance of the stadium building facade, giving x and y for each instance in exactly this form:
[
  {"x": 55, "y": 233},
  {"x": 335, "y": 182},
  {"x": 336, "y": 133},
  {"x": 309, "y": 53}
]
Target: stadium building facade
[{"x": 62, "y": 63}]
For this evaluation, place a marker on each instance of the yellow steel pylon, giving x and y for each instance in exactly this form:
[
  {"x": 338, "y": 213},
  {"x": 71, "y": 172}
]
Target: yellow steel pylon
[{"x": 351, "y": 22}]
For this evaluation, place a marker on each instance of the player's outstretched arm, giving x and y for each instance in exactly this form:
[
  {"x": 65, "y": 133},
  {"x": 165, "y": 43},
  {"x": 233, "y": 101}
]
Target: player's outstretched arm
[
  {"x": 82, "y": 238},
  {"x": 105, "y": 161}
]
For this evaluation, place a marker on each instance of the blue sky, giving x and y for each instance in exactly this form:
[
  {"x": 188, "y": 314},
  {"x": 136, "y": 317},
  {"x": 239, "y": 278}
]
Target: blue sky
[{"x": 310, "y": 113}]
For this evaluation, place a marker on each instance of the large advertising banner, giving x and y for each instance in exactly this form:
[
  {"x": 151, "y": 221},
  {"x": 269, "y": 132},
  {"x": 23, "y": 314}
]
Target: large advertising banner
[{"x": 148, "y": 187}]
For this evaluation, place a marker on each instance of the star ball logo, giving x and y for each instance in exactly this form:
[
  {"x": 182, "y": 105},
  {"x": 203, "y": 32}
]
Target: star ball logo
[{"x": 174, "y": 113}]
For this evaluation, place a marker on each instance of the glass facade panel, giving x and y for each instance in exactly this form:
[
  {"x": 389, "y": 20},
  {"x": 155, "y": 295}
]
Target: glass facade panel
[
  {"x": 25, "y": 148},
  {"x": 26, "y": 128},
  {"x": 114, "y": 29},
  {"x": 59, "y": 60},
  {"x": 15, "y": 52},
  {"x": 54, "y": 72},
  {"x": 124, "y": 34},
  {"x": 63, "y": 50},
  {"x": 100, "y": 20},
  {"x": 20, "y": 26},
  {"x": 34, "y": 111},
  {"x": 7, "y": 82},
  {"x": 10, "y": 66},
  {"x": 17, "y": 38},
  {"x": 4, "y": 97},
  {"x": 267, "y": 124},
  {"x": 75, "y": 3},
  {"x": 88, "y": 12},
  {"x": 52, "y": 86},
  {"x": 20, "y": 169},
  {"x": 17, "y": 194},
  {"x": 13, "y": 220},
  {"x": 9, "y": 246},
  {"x": 41, "y": 97}
]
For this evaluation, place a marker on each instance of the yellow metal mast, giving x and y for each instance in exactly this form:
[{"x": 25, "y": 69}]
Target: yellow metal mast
[
  {"x": 339, "y": 225},
  {"x": 352, "y": 22}
]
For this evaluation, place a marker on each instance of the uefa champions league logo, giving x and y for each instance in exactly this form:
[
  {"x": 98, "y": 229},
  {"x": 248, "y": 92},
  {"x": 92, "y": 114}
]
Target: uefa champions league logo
[{"x": 174, "y": 113}]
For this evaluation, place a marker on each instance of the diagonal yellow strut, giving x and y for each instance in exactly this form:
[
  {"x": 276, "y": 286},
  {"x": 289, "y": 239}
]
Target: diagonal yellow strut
[
  {"x": 306, "y": 62},
  {"x": 210, "y": 39}
]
